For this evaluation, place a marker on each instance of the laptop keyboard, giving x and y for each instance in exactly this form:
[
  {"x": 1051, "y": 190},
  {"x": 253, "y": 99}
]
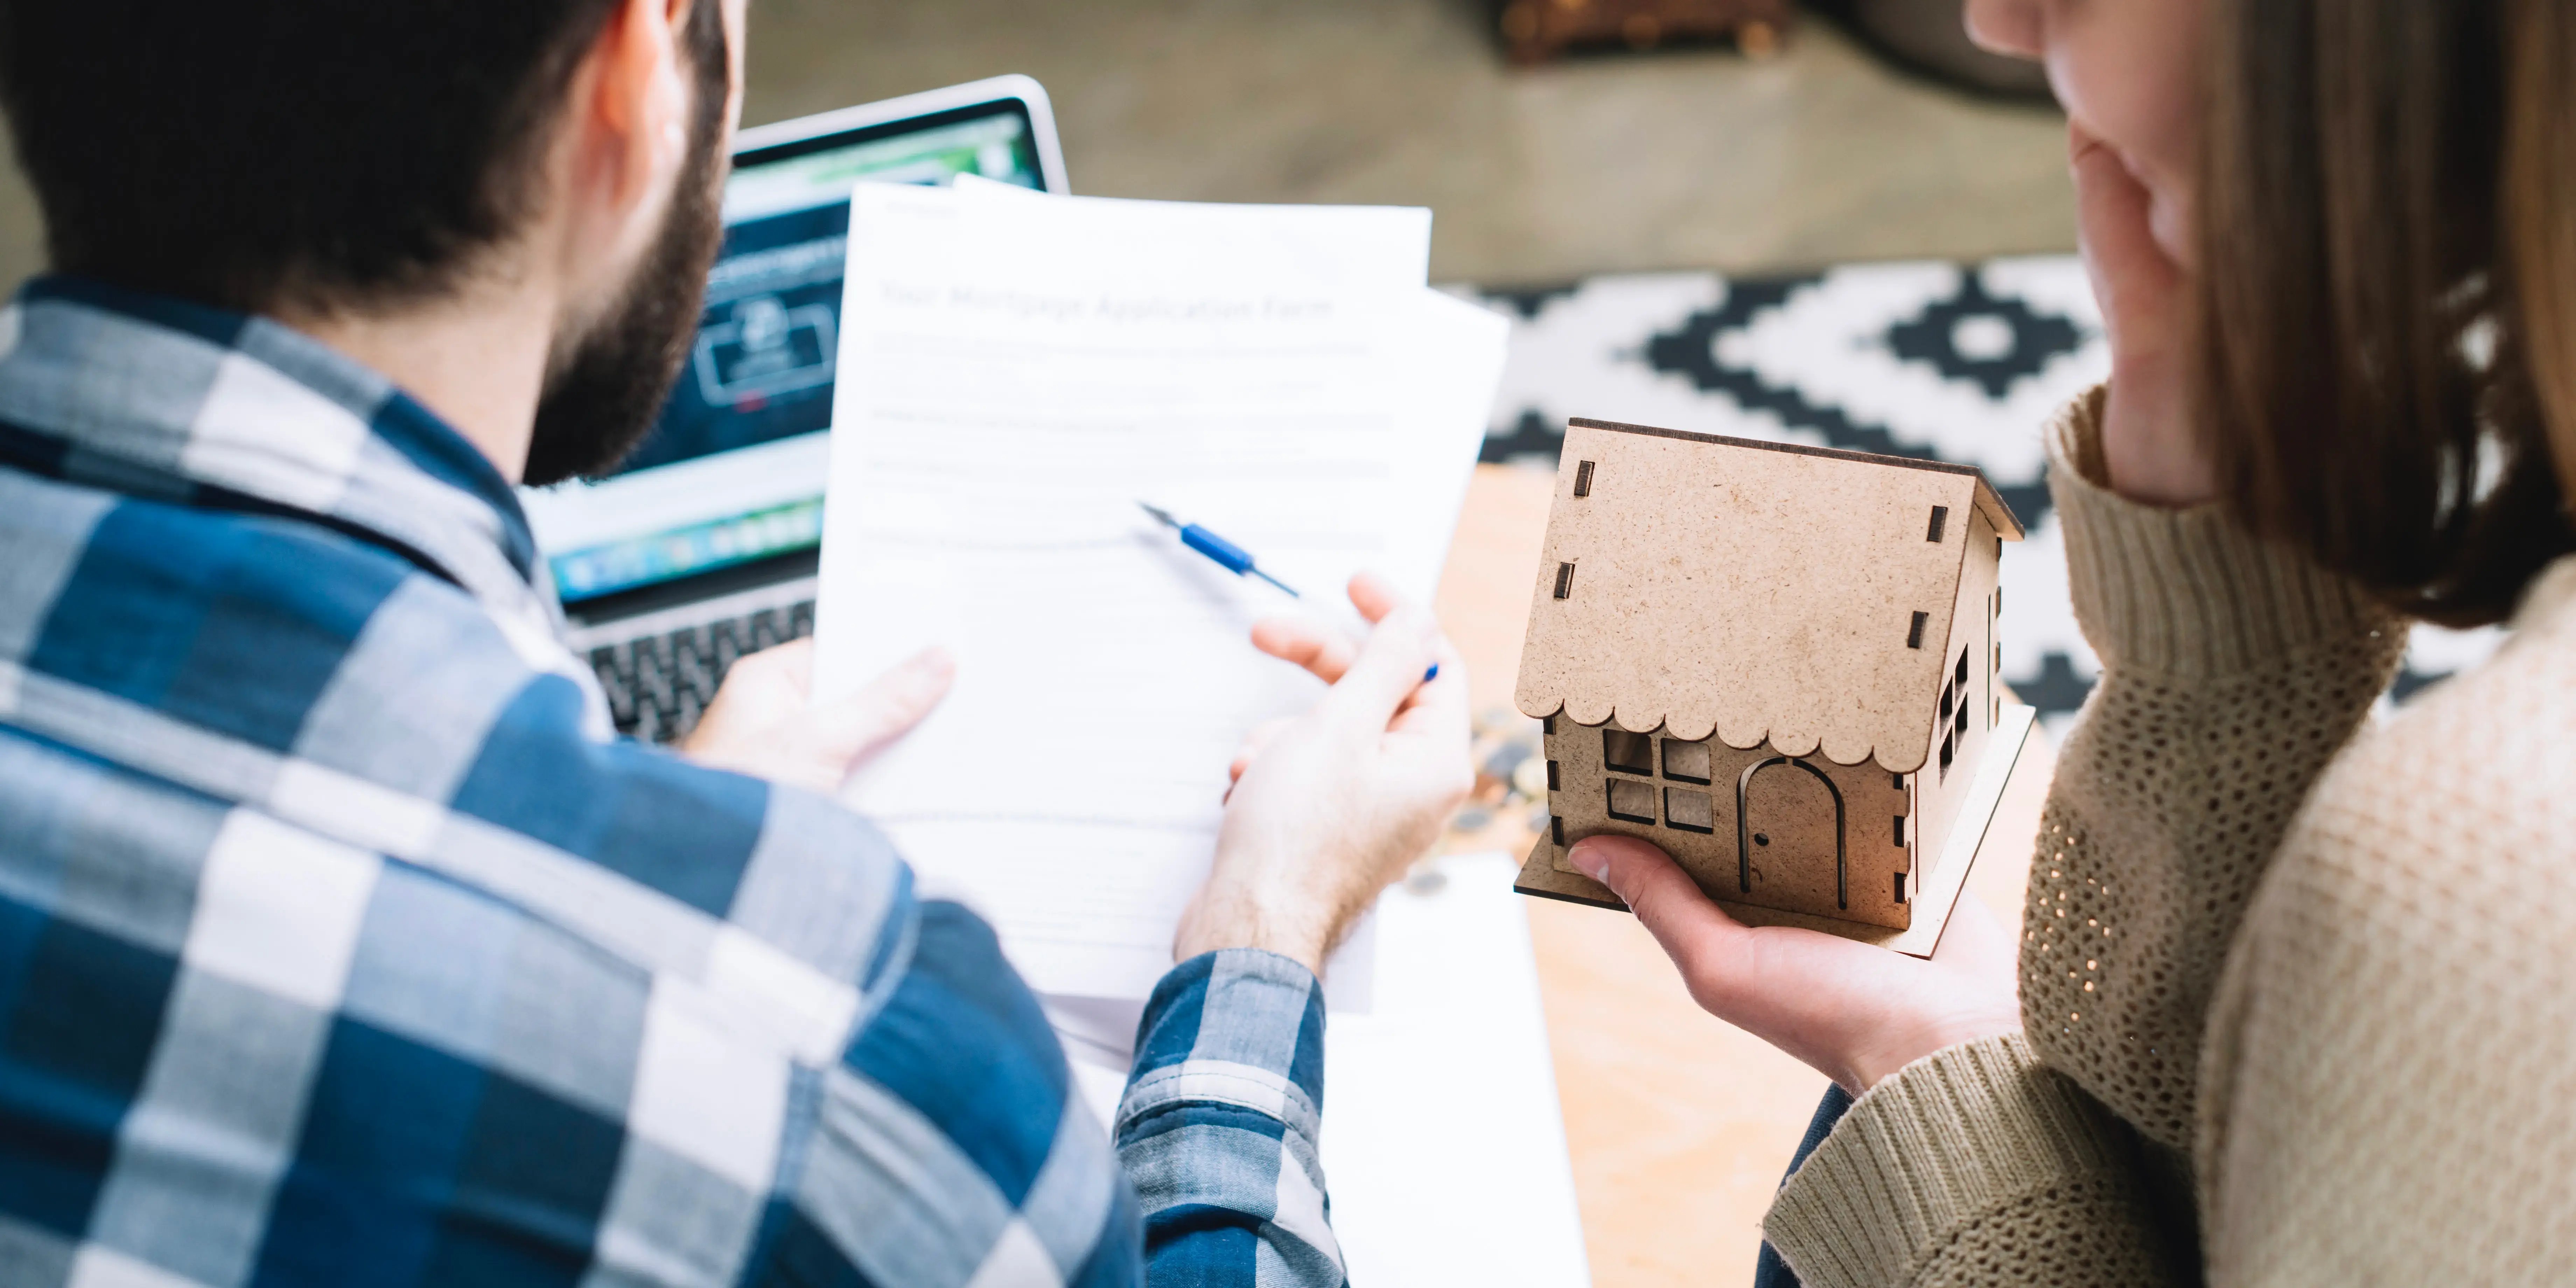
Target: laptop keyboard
[{"x": 658, "y": 684}]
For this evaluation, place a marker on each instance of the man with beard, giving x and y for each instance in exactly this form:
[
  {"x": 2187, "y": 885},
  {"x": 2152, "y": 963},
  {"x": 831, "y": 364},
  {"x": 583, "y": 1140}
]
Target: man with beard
[{"x": 340, "y": 941}]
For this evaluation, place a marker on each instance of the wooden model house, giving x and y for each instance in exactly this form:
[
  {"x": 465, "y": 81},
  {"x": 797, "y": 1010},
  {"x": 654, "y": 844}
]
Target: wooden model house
[{"x": 1777, "y": 663}]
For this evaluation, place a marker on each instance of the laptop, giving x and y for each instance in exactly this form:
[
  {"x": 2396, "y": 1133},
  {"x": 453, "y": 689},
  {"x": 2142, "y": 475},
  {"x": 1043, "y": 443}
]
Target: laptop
[{"x": 702, "y": 547}]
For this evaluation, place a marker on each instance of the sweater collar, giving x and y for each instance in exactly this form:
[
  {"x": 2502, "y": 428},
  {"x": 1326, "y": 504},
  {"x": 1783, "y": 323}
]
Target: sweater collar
[{"x": 2551, "y": 598}]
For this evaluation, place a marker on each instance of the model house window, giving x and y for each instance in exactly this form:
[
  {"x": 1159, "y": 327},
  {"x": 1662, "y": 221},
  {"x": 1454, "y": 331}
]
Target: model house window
[
  {"x": 1688, "y": 811},
  {"x": 1959, "y": 681},
  {"x": 1686, "y": 762},
  {"x": 1629, "y": 753},
  {"x": 1632, "y": 802}
]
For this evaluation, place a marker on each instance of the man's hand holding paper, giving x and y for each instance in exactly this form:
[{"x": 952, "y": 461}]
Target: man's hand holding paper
[
  {"x": 766, "y": 723},
  {"x": 1328, "y": 808}
]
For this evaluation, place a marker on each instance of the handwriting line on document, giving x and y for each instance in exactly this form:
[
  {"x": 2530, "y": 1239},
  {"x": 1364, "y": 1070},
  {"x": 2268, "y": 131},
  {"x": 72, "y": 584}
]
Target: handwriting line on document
[
  {"x": 1000, "y": 545},
  {"x": 915, "y": 346},
  {"x": 1167, "y": 823}
]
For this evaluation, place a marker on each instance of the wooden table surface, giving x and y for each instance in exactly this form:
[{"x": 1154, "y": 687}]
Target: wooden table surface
[{"x": 1679, "y": 1125}]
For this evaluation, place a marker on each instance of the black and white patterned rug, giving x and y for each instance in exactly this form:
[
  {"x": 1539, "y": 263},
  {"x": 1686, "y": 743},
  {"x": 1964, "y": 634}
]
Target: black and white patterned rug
[{"x": 1952, "y": 362}]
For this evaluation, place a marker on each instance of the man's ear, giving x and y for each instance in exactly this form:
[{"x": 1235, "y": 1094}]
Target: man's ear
[
  {"x": 737, "y": 23},
  {"x": 628, "y": 124}
]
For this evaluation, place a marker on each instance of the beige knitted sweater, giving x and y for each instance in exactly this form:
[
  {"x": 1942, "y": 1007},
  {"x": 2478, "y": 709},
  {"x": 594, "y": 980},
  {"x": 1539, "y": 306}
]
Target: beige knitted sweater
[{"x": 2294, "y": 973}]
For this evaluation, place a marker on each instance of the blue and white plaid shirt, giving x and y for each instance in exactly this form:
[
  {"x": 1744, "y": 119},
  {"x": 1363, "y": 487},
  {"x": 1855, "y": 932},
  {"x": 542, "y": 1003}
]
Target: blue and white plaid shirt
[{"x": 341, "y": 943}]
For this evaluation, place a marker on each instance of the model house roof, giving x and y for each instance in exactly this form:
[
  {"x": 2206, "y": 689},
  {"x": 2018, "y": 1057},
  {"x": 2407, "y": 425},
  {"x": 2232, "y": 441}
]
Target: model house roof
[{"x": 1752, "y": 590}]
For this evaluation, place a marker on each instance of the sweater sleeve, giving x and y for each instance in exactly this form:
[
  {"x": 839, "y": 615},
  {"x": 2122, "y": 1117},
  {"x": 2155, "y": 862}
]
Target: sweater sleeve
[
  {"x": 2232, "y": 672},
  {"x": 1975, "y": 1166}
]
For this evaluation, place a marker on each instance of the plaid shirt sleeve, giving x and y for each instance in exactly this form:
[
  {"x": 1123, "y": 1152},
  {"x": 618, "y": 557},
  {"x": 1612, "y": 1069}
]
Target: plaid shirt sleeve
[{"x": 1219, "y": 1126}]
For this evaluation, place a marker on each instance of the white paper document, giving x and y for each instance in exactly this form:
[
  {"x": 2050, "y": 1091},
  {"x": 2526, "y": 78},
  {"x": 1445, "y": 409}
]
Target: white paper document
[
  {"x": 1444, "y": 1145},
  {"x": 1016, "y": 373}
]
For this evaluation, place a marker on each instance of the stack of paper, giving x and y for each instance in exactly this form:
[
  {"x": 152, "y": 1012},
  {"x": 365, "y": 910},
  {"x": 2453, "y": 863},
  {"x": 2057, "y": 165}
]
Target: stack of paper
[
  {"x": 1017, "y": 371},
  {"x": 1470, "y": 1185}
]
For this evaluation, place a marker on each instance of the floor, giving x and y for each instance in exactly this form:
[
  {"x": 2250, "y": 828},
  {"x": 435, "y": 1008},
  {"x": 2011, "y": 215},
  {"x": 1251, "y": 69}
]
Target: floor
[{"x": 1677, "y": 159}]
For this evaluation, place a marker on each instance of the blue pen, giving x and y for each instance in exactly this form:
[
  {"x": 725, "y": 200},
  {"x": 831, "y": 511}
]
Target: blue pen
[
  {"x": 1234, "y": 559},
  {"x": 1229, "y": 556}
]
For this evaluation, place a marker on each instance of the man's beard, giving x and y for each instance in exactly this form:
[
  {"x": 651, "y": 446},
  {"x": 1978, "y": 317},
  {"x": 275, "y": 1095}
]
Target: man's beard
[{"x": 605, "y": 393}]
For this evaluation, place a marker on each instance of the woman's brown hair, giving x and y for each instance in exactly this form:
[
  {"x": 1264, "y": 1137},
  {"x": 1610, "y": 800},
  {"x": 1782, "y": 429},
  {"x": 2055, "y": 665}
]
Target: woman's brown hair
[{"x": 2388, "y": 288}]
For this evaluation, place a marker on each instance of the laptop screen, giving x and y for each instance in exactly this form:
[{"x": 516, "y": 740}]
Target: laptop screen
[{"x": 732, "y": 472}]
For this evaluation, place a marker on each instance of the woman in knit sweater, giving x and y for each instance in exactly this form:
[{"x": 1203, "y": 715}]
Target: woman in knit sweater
[{"x": 2295, "y": 1003}]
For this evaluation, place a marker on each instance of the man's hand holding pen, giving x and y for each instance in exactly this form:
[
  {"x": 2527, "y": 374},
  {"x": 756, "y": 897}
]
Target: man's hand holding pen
[{"x": 1331, "y": 807}]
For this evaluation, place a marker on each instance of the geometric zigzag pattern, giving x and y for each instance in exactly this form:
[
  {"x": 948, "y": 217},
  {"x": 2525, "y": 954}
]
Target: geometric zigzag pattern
[{"x": 1952, "y": 362}]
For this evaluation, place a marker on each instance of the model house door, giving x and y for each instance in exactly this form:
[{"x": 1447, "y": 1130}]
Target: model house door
[{"x": 1790, "y": 841}]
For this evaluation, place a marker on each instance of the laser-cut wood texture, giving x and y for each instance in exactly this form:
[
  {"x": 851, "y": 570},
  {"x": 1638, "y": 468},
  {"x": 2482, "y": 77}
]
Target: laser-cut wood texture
[
  {"x": 1786, "y": 624},
  {"x": 1931, "y": 894},
  {"x": 1789, "y": 825},
  {"x": 1757, "y": 591}
]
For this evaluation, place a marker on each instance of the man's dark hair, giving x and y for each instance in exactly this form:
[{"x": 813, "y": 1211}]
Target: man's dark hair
[{"x": 252, "y": 153}]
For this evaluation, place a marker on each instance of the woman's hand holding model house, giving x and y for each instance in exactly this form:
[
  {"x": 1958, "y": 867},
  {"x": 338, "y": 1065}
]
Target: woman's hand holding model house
[{"x": 1854, "y": 1012}]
